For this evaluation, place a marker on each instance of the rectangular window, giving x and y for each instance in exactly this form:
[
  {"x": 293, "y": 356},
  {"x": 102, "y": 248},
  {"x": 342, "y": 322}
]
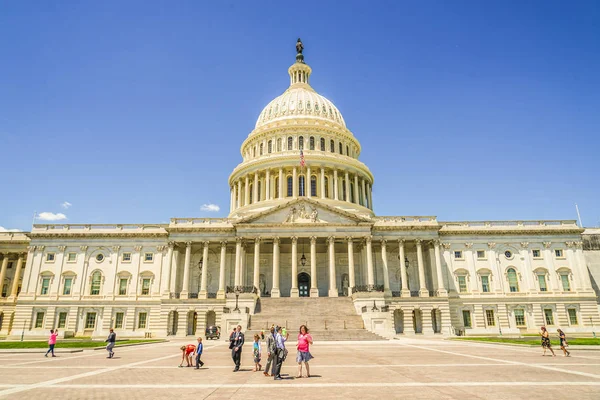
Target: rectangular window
[
  {"x": 489, "y": 318},
  {"x": 458, "y": 255},
  {"x": 548, "y": 316},
  {"x": 462, "y": 283},
  {"x": 564, "y": 279},
  {"x": 572, "y": 316},
  {"x": 481, "y": 254},
  {"x": 536, "y": 253},
  {"x": 4, "y": 289},
  {"x": 10, "y": 265},
  {"x": 142, "y": 320},
  {"x": 67, "y": 286},
  {"x": 96, "y": 284},
  {"x": 542, "y": 283},
  {"x": 558, "y": 253},
  {"x": 485, "y": 283},
  {"x": 148, "y": 257},
  {"x": 520, "y": 317},
  {"x": 39, "y": 319},
  {"x": 123, "y": 287},
  {"x": 145, "y": 287},
  {"x": 119, "y": 320},
  {"x": 71, "y": 257},
  {"x": 126, "y": 257},
  {"x": 90, "y": 320},
  {"x": 467, "y": 318},
  {"x": 62, "y": 320},
  {"x": 50, "y": 257},
  {"x": 45, "y": 285}
]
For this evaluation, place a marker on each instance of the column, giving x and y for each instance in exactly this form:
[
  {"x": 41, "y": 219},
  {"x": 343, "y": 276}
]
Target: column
[
  {"x": 586, "y": 283},
  {"x": 335, "y": 185},
  {"x": 294, "y": 291},
  {"x": 525, "y": 255},
  {"x": 221, "y": 292},
  {"x": 238, "y": 259},
  {"x": 169, "y": 267},
  {"x": 3, "y": 271},
  {"x": 386, "y": 273},
  {"x": 243, "y": 265},
  {"x": 239, "y": 195},
  {"x": 441, "y": 291},
  {"x": 333, "y": 292},
  {"x": 186, "y": 270},
  {"x": 356, "y": 199},
  {"x": 15, "y": 285},
  {"x": 295, "y": 182},
  {"x": 256, "y": 277},
  {"x": 351, "y": 277},
  {"x": 364, "y": 192},
  {"x": 423, "y": 292},
  {"x": 268, "y": 185},
  {"x": 573, "y": 267},
  {"x": 307, "y": 183},
  {"x": 247, "y": 191},
  {"x": 347, "y": 184},
  {"x": 281, "y": 183},
  {"x": 314, "y": 288},
  {"x": 496, "y": 278},
  {"x": 370, "y": 195},
  {"x": 203, "y": 293},
  {"x": 470, "y": 258},
  {"x": 231, "y": 198},
  {"x": 370, "y": 273},
  {"x": 255, "y": 193},
  {"x": 322, "y": 182},
  {"x": 554, "y": 281},
  {"x": 275, "y": 288},
  {"x": 405, "y": 290}
]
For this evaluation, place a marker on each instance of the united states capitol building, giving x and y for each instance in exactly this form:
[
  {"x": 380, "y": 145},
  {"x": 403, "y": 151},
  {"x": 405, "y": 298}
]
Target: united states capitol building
[{"x": 301, "y": 224}]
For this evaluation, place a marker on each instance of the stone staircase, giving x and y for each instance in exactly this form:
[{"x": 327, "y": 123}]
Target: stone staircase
[{"x": 327, "y": 318}]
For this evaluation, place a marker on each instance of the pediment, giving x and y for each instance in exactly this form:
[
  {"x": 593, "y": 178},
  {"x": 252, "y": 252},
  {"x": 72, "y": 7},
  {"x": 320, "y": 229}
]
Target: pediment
[{"x": 303, "y": 212}]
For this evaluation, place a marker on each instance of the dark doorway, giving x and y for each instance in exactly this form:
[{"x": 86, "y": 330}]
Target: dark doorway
[{"x": 304, "y": 284}]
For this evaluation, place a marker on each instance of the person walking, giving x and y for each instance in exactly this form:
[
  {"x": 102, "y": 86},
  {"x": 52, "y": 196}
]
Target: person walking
[
  {"x": 256, "y": 353},
  {"x": 52, "y": 342},
  {"x": 112, "y": 336},
  {"x": 199, "y": 349},
  {"x": 304, "y": 356},
  {"x": 271, "y": 352},
  {"x": 563, "y": 343},
  {"x": 236, "y": 342},
  {"x": 546, "y": 341},
  {"x": 281, "y": 353}
]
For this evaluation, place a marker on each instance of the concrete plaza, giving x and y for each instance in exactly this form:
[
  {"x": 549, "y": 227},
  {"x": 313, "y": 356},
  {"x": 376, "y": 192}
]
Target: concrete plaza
[{"x": 418, "y": 368}]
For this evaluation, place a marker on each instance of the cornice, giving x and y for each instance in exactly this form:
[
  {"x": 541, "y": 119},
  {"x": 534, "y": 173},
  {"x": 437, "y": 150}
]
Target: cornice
[{"x": 94, "y": 235}]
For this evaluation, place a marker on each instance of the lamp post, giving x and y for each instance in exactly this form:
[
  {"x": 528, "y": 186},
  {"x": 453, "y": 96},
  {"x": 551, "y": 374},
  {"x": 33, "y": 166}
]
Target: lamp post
[
  {"x": 23, "y": 330},
  {"x": 303, "y": 258},
  {"x": 237, "y": 292},
  {"x": 592, "y": 322}
]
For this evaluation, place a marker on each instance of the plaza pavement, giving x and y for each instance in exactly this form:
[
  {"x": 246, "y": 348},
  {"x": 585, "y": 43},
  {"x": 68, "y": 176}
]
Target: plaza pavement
[{"x": 415, "y": 368}]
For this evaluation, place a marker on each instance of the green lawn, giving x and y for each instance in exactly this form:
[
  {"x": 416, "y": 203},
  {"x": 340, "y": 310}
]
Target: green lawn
[
  {"x": 532, "y": 340},
  {"x": 69, "y": 344}
]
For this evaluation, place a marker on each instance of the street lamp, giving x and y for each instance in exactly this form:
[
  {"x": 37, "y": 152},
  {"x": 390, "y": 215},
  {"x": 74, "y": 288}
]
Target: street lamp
[
  {"x": 592, "y": 322},
  {"x": 237, "y": 292},
  {"x": 303, "y": 258}
]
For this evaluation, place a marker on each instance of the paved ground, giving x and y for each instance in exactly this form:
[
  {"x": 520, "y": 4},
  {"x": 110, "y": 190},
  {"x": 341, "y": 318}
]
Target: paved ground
[{"x": 366, "y": 370}]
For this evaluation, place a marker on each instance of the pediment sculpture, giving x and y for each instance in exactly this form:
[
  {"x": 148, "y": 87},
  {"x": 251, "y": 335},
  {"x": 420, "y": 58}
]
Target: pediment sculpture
[{"x": 301, "y": 214}]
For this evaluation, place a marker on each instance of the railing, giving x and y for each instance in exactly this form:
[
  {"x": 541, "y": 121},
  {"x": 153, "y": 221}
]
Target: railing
[
  {"x": 226, "y": 310},
  {"x": 404, "y": 219},
  {"x": 396, "y": 294},
  {"x": 211, "y": 296},
  {"x": 487, "y": 224},
  {"x": 199, "y": 221},
  {"x": 431, "y": 293},
  {"x": 89, "y": 227},
  {"x": 242, "y": 289},
  {"x": 368, "y": 288},
  {"x": 193, "y": 296},
  {"x": 174, "y": 295},
  {"x": 385, "y": 308},
  {"x": 414, "y": 293}
]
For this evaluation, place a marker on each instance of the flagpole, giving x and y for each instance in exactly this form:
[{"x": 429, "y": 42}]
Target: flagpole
[
  {"x": 578, "y": 215},
  {"x": 33, "y": 220}
]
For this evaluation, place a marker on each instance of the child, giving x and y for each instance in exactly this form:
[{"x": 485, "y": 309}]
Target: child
[
  {"x": 257, "y": 354},
  {"x": 186, "y": 354},
  {"x": 198, "y": 353}
]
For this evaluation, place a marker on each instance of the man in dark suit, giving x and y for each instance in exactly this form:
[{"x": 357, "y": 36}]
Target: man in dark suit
[{"x": 236, "y": 342}]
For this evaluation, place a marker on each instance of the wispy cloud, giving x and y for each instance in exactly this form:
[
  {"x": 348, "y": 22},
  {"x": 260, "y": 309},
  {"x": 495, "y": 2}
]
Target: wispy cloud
[
  {"x": 210, "y": 207},
  {"x": 49, "y": 216},
  {"x": 3, "y": 229},
  {"x": 66, "y": 205}
]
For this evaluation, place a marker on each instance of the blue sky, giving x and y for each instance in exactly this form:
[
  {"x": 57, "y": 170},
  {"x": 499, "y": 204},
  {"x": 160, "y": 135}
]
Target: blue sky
[{"x": 134, "y": 112}]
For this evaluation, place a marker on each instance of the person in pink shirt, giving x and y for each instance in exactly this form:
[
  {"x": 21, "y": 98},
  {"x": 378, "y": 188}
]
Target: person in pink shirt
[
  {"x": 303, "y": 356},
  {"x": 52, "y": 342}
]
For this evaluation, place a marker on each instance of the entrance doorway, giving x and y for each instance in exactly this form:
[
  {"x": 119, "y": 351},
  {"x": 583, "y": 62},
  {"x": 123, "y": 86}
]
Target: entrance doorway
[
  {"x": 173, "y": 322},
  {"x": 304, "y": 284},
  {"x": 399, "y": 321},
  {"x": 192, "y": 322}
]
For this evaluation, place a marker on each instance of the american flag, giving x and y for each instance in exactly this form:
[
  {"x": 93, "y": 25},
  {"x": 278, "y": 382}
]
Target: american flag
[{"x": 302, "y": 162}]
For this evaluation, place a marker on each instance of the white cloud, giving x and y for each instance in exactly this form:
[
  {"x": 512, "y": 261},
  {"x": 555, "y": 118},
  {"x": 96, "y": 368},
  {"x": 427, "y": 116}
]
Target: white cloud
[
  {"x": 66, "y": 205},
  {"x": 3, "y": 229},
  {"x": 48, "y": 216},
  {"x": 210, "y": 207}
]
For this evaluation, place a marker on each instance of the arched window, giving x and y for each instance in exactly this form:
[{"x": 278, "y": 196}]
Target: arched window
[
  {"x": 301, "y": 185},
  {"x": 322, "y": 144},
  {"x": 301, "y": 143},
  {"x": 290, "y": 186},
  {"x": 344, "y": 190},
  {"x": 312, "y": 143},
  {"x": 341, "y": 148},
  {"x": 352, "y": 199},
  {"x": 270, "y": 146},
  {"x": 277, "y": 187},
  {"x": 513, "y": 282},
  {"x": 313, "y": 185},
  {"x": 326, "y": 187},
  {"x": 360, "y": 196},
  {"x": 258, "y": 195},
  {"x": 290, "y": 143},
  {"x": 348, "y": 151},
  {"x": 96, "y": 283},
  {"x": 332, "y": 146},
  {"x": 251, "y": 187},
  {"x": 254, "y": 151},
  {"x": 261, "y": 149},
  {"x": 279, "y": 144}
]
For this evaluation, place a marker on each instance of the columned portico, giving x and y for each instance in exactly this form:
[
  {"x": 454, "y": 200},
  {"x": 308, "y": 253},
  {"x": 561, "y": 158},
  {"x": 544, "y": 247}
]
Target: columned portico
[
  {"x": 186, "y": 270},
  {"x": 333, "y": 291},
  {"x": 423, "y": 292},
  {"x": 351, "y": 277},
  {"x": 275, "y": 290}
]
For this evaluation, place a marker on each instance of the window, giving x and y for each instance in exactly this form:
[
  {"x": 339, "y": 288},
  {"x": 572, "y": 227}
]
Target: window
[
  {"x": 71, "y": 257},
  {"x": 90, "y": 320},
  {"x": 558, "y": 253},
  {"x": 254, "y": 152},
  {"x": 301, "y": 143},
  {"x": 341, "y": 148},
  {"x": 326, "y": 187},
  {"x": 485, "y": 283},
  {"x": 261, "y": 149},
  {"x": 301, "y": 185},
  {"x": 277, "y": 187},
  {"x": 270, "y": 146},
  {"x": 348, "y": 151},
  {"x": 481, "y": 254},
  {"x": 344, "y": 194},
  {"x": 100, "y": 257},
  {"x": 462, "y": 283},
  {"x": 45, "y": 285},
  {"x": 148, "y": 257},
  {"x": 519, "y": 317},
  {"x": 290, "y": 187},
  {"x": 62, "y": 320},
  {"x": 536, "y": 253},
  {"x": 313, "y": 185},
  {"x": 489, "y": 318},
  {"x": 508, "y": 254},
  {"x": 39, "y": 319},
  {"x": 251, "y": 193},
  {"x": 572, "y": 316},
  {"x": 126, "y": 257},
  {"x": 332, "y": 146},
  {"x": 290, "y": 142},
  {"x": 322, "y": 144},
  {"x": 513, "y": 282},
  {"x": 142, "y": 317},
  {"x": 542, "y": 282},
  {"x": 9, "y": 265},
  {"x": 466, "y": 318},
  {"x": 458, "y": 255},
  {"x": 311, "y": 143},
  {"x": 119, "y": 320},
  {"x": 259, "y": 191},
  {"x": 279, "y": 144},
  {"x": 566, "y": 285},
  {"x": 96, "y": 283},
  {"x": 548, "y": 317},
  {"x": 67, "y": 286},
  {"x": 123, "y": 287},
  {"x": 5, "y": 290},
  {"x": 145, "y": 286},
  {"x": 352, "y": 199},
  {"x": 50, "y": 257}
]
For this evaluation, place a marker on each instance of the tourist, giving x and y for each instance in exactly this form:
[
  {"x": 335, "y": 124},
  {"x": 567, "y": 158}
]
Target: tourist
[
  {"x": 303, "y": 356},
  {"x": 112, "y": 336},
  {"x": 52, "y": 342},
  {"x": 236, "y": 342},
  {"x": 563, "y": 343},
  {"x": 281, "y": 353},
  {"x": 198, "y": 352},
  {"x": 187, "y": 354},
  {"x": 256, "y": 353},
  {"x": 546, "y": 341},
  {"x": 271, "y": 351}
]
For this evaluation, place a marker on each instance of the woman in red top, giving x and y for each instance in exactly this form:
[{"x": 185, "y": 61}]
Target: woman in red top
[
  {"x": 303, "y": 356},
  {"x": 187, "y": 354}
]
